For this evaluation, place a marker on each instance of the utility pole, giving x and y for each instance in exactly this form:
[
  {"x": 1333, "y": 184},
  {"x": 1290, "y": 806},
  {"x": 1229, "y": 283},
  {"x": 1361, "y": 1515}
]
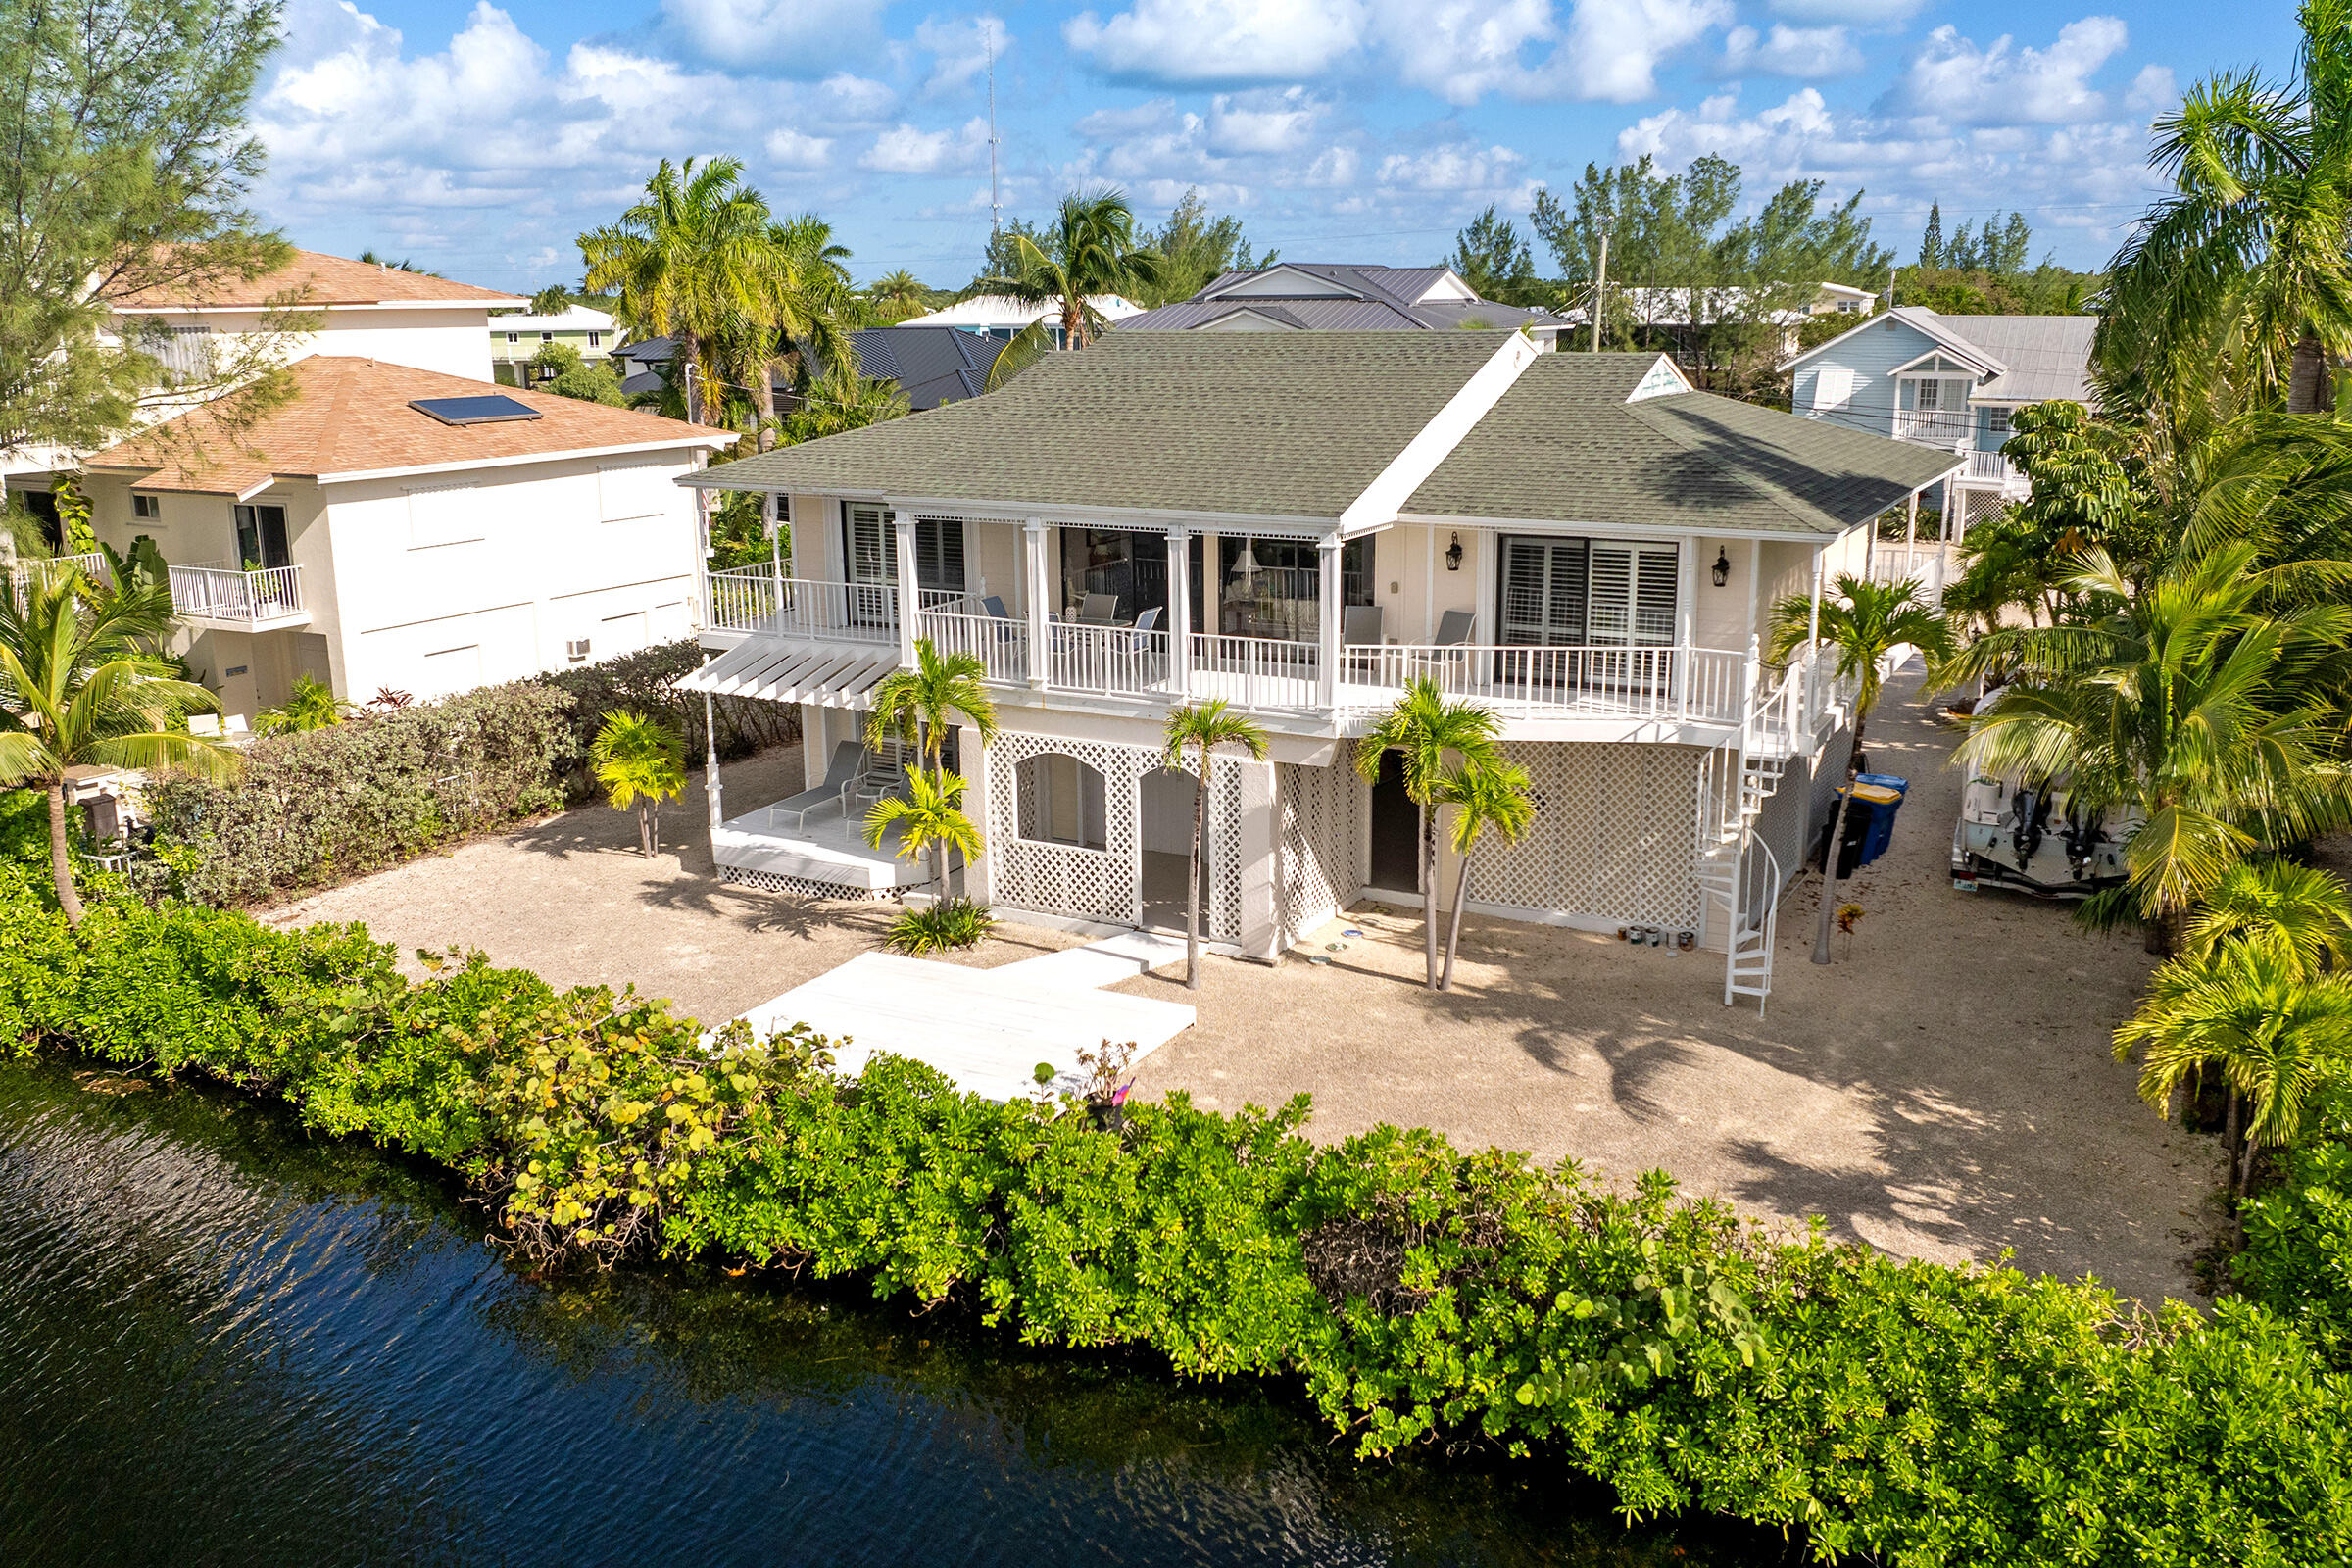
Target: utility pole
[
  {"x": 996, "y": 207},
  {"x": 1600, "y": 286}
]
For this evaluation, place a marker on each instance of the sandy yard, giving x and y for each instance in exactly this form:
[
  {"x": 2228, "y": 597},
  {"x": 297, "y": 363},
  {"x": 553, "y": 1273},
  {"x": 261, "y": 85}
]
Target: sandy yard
[{"x": 1942, "y": 1089}]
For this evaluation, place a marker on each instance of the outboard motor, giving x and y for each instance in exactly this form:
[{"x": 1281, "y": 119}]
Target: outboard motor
[
  {"x": 2028, "y": 815},
  {"x": 2082, "y": 836}
]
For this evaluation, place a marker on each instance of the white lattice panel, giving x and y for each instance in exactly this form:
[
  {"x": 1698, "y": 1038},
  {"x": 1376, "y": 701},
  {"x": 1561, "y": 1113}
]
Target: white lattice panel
[
  {"x": 804, "y": 887},
  {"x": 1614, "y": 835},
  {"x": 1319, "y": 811},
  {"x": 1224, "y": 851}
]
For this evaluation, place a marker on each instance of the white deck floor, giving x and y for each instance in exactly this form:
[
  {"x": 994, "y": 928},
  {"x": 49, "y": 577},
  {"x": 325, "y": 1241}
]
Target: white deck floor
[
  {"x": 829, "y": 847},
  {"x": 985, "y": 1029}
]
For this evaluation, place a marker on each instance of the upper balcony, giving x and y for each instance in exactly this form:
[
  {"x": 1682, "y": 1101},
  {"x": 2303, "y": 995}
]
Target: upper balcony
[
  {"x": 221, "y": 598},
  {"x": 40, "y": 571},
  {"x": 1588, "y": 692},
  {"x": 1936, "y": 427}
]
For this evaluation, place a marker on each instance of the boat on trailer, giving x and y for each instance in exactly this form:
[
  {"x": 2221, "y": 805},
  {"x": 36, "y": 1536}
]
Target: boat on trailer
[{"x": 2033, "y": 837}]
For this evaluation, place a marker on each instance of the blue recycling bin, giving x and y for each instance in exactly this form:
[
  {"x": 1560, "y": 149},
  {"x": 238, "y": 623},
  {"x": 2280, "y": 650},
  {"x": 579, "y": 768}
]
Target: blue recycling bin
[{"x": 1881, "y": 832}]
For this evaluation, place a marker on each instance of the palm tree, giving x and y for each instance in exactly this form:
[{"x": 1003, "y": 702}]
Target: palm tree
[
  {"x": 930, "y": 820},
  {"x": 79, "y": 684},
  {"x": 1863, "y": 624},
  {"x": 1197, "y": 731},
  {"x": 2201, "y": 700},
  {"x": 917, "y": 705},
  {"x": 2299, "y": 912},
  {"x": 1495, "y": 796},
  {"x": 640, "y": 762},
  {"x": 808, "y": 312},
  {"x": 1090, "y": 249},
  {"x": 2277, "y": 1037},
  {"x": 314, "y": 704},
  {"x": 2248, "y": 258},
  {"x": 693, "y": 259},
  {"x": 898, "y": 295},
  {"x": 1431, "y": 732}
]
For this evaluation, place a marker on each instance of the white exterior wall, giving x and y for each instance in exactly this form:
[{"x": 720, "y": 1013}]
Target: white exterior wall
[
  {"x": 453, "y": 339},
  {"x": 412, "y": 606}
]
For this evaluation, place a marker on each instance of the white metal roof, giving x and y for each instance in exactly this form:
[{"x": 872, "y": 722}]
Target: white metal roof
[
  {"x": 577, "y": 318},
  {"x": 984, "y": 311}
]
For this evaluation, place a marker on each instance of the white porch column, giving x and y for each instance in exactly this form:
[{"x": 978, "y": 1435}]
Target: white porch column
[
  {"x": 1911, "y": 520},
  {"x": 1180, "y": 615},
  {"x": 1040, "y": 598},
  {"x": 1260, "y": 845},
  {"x": 909, "y": 591},
  {"x": 1755, "y": 585},
  {"x": 1812, "y": 690},
  {"x": 1327, "y": 583},
  {"x": 775, "y": 560},
  {"x": 710, "y": 761},
  {"x": 1213, "y": 586},
  {"x": 979, "y": 872}
]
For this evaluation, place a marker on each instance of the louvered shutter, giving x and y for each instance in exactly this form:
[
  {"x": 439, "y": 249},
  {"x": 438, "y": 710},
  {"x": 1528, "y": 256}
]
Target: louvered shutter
[
  {"x": 1656, "y": 575},
  {"x": 939, "y": 553},
  {"x": 1609, "y": 608},
  {"x": 1543, "y": 592},
  {"x": 872, "y": 555}
]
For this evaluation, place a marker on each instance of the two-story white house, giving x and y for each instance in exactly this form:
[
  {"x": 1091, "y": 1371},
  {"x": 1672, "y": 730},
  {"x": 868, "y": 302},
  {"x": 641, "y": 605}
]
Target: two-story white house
[
  {"x": 1950, "y": 382},
  {"x": 1301, "y": 524},
  {"x": 399, "y": 522}
]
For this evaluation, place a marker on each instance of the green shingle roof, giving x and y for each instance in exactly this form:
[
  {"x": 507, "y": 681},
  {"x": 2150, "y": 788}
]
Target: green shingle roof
[
  {"x": 1297, "y": 424},
  {"x": 1564, "y": 446},
  {"x": 1280, "y": 425}
]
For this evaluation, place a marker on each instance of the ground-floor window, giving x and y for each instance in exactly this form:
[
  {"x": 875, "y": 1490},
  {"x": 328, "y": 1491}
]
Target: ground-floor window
[{"x": 1059, "y": 800}]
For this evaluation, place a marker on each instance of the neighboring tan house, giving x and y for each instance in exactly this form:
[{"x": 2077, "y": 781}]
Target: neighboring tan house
[
  {"x": 397, "y": 527},
  {"x": 1002, "y": 316},
  {"x": 1950, "y": 382},
  {"x": 515, "y": 337},
  {"x": 356, "y": 309},
  {"x": 1319, "y": 297},
  {"x": 1301, "y": 524}
]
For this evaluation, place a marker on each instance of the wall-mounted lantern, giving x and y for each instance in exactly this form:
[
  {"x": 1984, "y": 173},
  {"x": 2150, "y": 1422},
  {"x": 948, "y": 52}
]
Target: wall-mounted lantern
[
  {"x": 1454, "y": 555},
  {"x": 1723, "y": 566}
]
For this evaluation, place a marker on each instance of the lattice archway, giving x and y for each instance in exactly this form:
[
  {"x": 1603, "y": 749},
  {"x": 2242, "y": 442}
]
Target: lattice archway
[{"x": 1041, "y": 864}]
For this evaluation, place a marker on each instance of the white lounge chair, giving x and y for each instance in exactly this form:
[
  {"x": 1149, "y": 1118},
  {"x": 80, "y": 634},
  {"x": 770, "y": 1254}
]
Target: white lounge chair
[
  {"x": 207, "y": 725},
  {"x": 846, "y": 758}
]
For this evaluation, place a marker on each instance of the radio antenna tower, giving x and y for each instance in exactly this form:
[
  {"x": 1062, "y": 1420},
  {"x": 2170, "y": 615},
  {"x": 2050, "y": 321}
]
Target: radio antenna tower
[{"x": 996, "y": 206}]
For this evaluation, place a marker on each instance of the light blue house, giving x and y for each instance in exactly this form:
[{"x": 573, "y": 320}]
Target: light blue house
[{"x": 1950, "y": 382}]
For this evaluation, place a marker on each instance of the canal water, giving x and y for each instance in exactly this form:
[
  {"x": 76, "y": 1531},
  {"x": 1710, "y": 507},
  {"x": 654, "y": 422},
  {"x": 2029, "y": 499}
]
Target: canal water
[{"x": 224, "y": 1342}]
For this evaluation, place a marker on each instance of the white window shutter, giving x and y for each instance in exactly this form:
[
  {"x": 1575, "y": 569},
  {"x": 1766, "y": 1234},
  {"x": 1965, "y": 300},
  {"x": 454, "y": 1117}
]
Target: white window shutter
[{"x": 1833, "y": 388}]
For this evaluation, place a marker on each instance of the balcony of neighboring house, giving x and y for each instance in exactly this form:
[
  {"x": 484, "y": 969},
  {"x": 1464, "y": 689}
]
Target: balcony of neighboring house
[
  {"x": 221, "y": 598},
  {"x": 39, "y": 572},
  {"x": 827, "y": 642}
]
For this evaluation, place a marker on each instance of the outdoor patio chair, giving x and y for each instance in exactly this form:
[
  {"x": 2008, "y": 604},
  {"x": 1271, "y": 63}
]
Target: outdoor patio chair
[
  {"x": 1454, "y": 628},
  {"x": 205, "y": 725},
  {"x": 236, "y": 729},
  {"x": 1098, "y": 610},
  {"x": 1359, "y": 629},
  {"x": 881, "y": 772},
  {"x": 847, "y": 756}
]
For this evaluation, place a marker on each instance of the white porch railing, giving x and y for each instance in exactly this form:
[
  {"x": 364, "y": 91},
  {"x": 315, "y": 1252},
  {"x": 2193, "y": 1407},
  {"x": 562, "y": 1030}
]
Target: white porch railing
[
  {"x": 1990, "y": 465},
  {"x": 40, "y": 571},
  {"x": 219, "y": 593},
  {"x": 1106, "y": 660},
  {"x": 1925, "y": 564},
  {"x": 756, "y": 599},
  {"x": 999, "y": 643},
  {"x": 1936, "y": 428},
  {"x": 1702, "y": 685},
  {"x": 1257, "y": 671}
]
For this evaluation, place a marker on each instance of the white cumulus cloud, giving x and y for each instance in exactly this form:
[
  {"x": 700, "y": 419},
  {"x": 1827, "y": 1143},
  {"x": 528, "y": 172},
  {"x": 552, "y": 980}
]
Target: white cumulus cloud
[
  {"x": 788, "y": 36},
  {"x": 1280, "y": 120},
  {"x": 905, "y": 150},
  {"x": 1220, "y": 40},
  {"x": 1953, "y": 79},
  {"x": 958, "y": 47},
  {"x": 1787, "y": 51}
]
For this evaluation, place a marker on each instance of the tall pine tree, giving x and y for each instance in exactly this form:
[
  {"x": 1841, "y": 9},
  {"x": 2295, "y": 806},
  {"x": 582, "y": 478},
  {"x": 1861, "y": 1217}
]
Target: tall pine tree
[{"x": 1930, "y": 242}]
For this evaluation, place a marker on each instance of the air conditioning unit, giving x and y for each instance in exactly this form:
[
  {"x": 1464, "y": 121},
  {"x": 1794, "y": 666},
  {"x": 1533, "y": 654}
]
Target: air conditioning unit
[{"x": 576, "y": 650}]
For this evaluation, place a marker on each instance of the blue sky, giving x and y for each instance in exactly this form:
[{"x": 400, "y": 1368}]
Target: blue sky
[{"x": 480, "y": 138}]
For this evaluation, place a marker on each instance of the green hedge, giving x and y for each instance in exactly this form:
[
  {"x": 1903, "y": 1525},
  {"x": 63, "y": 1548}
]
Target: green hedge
[
  {"x": 641, "y": 681},
  {"x": 2298, "y": 1255},
  {"x": 1689, "y": 1359},
  {"x": 328, "y": 805}
]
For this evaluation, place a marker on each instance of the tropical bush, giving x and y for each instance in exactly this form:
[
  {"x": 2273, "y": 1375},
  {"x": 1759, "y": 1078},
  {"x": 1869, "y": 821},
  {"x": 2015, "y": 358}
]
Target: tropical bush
[
  {"x": 1416, "y": 1294},
  {"x": 939, "y": 927},
  {"x": 324, "y": 805}
]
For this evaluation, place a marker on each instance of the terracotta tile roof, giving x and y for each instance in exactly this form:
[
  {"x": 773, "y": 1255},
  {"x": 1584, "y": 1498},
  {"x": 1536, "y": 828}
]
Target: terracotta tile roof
[
  {"x": 319, "y": 280},
  {"x": 350, "y": 415}
]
